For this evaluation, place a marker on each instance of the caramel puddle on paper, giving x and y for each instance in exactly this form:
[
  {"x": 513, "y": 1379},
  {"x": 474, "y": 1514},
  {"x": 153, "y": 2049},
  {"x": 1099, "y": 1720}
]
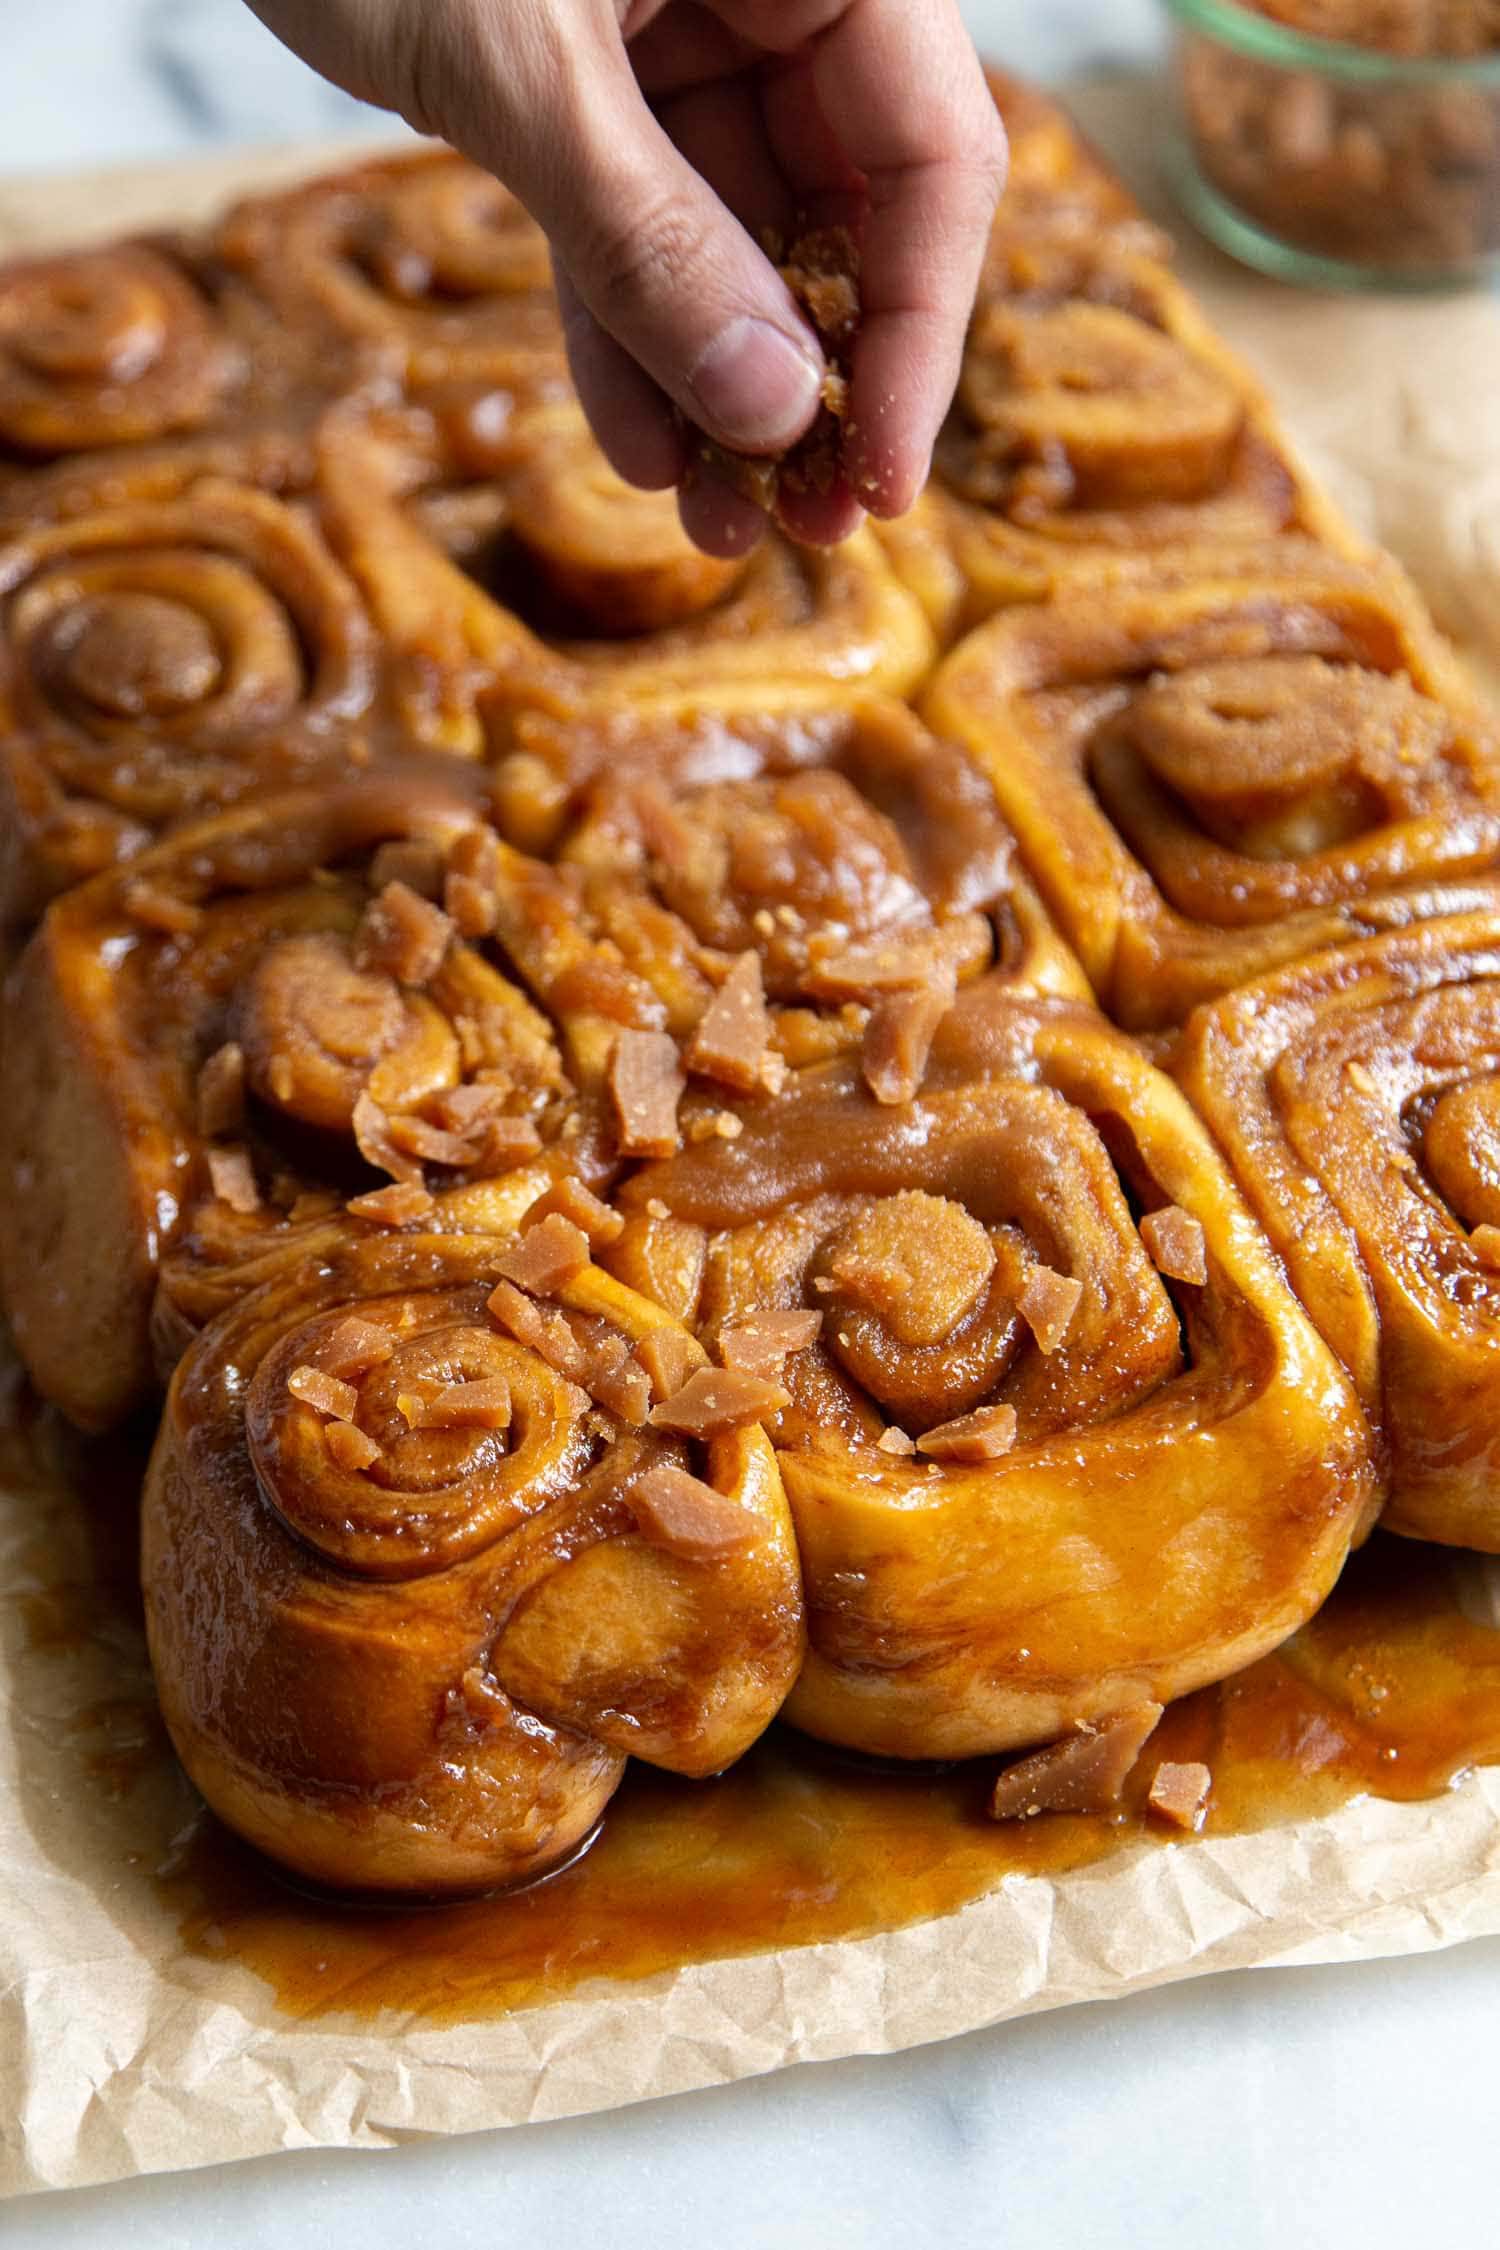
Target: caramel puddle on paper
[{"x": 1394, "y": 1690}]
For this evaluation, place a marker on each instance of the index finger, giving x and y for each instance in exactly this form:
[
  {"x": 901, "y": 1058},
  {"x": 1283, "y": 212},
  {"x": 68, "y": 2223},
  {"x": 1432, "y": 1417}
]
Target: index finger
[{"x": 904, "y": 93}]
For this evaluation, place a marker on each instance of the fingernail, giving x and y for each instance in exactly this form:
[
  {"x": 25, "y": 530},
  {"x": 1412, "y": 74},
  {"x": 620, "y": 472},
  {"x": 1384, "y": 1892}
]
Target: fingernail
[{"x": 755, "y": 387}]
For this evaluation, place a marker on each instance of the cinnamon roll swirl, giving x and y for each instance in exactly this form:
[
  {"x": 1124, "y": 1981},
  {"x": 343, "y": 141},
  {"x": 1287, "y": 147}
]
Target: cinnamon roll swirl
[
  {"x": 1102, "y": 432},
  {"x": 215, "y": 1050},
  {"x": 567, "y": 591},
  {"x": 1209, "y": 780},
  {"x": 424, "y": 263},
  {"x": 1062, "y": 1440},
  {"x": 421, "y": 1573},
  {"x": 1357, "y": 1096},
  {"x": 157, "y": 661}
]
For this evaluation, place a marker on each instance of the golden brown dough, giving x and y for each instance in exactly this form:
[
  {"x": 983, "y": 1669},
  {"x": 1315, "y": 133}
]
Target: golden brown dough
[
  {"x": 1186, "y": 1467},
  {"x": 205, "y": 1058},
  {"x": 158, "y": 660},
  {"x": 485, "y": 636},
  {"x": 1208, "y": 780},
  {"x": 424, "y": 1671},
  {"x": 1355, "y": 1095}
]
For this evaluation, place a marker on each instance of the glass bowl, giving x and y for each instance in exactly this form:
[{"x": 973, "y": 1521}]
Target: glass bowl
[{"x": 1331, "y": 164}]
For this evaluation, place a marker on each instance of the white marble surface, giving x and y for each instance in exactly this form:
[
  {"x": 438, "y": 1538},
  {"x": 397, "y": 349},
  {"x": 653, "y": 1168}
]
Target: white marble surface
[
  {"x": 1321, "y": 2109},
  {"x": 84, "y": 81}
]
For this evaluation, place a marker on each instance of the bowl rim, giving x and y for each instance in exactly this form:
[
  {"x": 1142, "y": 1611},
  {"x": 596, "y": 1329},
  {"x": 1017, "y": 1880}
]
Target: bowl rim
[{"x": 1269, "y": 41}]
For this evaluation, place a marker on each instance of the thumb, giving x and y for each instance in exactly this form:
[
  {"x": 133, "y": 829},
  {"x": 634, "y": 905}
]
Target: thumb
[{"x": 659, "y": 262}]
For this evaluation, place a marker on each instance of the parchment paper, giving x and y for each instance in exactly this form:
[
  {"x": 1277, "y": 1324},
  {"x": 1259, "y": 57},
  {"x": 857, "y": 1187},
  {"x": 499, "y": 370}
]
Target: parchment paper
[{"x": 121, "y": 2053}]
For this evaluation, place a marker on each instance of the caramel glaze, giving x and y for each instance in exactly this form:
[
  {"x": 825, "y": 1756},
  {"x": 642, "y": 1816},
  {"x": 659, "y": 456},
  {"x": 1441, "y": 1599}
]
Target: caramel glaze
[{"x": 1392, "y": 1690}]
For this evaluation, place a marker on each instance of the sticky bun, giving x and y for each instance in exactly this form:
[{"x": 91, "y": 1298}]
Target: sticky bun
[
  {"x": 1208, "y": 780},
  {"x": 1036, "y": 1299},
  {"x": 1356, "y": 1096}
]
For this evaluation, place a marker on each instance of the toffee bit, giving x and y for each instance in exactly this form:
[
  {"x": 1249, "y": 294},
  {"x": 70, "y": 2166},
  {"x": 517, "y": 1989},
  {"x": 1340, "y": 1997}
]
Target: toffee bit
[
  {"x": 157, "y": 908},
  {"x": 233, "y": 1178},
  {"x": 617, "y": 1381},
  {"x": 1176, "y": 1244},
  {"x": 398, "y": 1206},
  {"x": 548, "y": 1256},
  {"x": 471, "y": 890},
  {"x": 402, "y": 935},
  {"x": 896, "y": 1441},
  {"x": 762, "y": 1343},
  {"x": 986, "y": 1435},
  {"x": 372, "y": 1137},
  {"x": 717, "y": 1399},
  {"x": 656, "y": 1209},
  {"x": 412, "y": 1407},
  {"x": 734, "y": 1031},
  {"x": 898, "y": 1039},
  {"x": 355, "y": 1346},
  {"x": 428, "y": 1144},
  {"x": 669, "y": 1356},
  {"x": 1047, "y": 1302},
  {"x": 1083, "y": 1773},
  {"x": 315, "y": 1387},
  {"x": 688, "y": 1518},
  {"x": 221, "y": 1091},
  {"x": 411, "y": 860},
  {"x": 570, "y": 1199},
  {"x": 773, "y": 1071},
  {"x": 350, "y": 1448},
  {"x": 1485, "y": 1244},
  {"x": 1361, "y": 1079},
  {"x": 646, "y": 1084},
  {"x": 1180, "y": 1794},
  {"x": 483, "y": 1404},
  {"x": 545, "y": 1331}
]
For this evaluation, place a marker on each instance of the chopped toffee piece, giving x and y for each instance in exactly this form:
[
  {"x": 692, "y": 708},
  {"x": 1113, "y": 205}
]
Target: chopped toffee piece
[
  {"x": 395, "y": 1206},
  {"x": 471, "y": 890},
  {"x": 349, "y": 1447},
  {"x": 1083, "y": 1773},
  {"x": 985, "y": 1435},
  {"x": 615, "y": 1379},
  {"x": 547, "y": 1257},
  {"x": 543, "y": 1328},
  {"x": 669, "y": 1356},
  {"x": 688, "y": 1518},
  {"x": 717, "y": 1399},
  {"x": 1485, "y": 1244},
  {"x": 1360, "y": 1078},
  {"x": 588, "y": 1212},
  {"x": 356, "y": 1346},
  {"x": 317, "y": 1388},
  {"x": 898, "y": 1039},
  {"x": 896, "y": 1441},
  {"x": 483, "y": 1404},
  {"x": 734, "y": 1032},
  {"x": 376, "y": 1144},
  {"x": 410, "y": 860},
  {"x": 402, "y": 935},
  {"x": 427, "y": 1144},
  {"x": 233, "y": 1178},
  {"x": 1180, "y": 1794},
  {"x": 646, "y": 1083},
  {"x": 1047, "y": 1302},
  {"x": 221, "y": 1092},
  {"x": 762, "y": 1343},
  {"x": 1176, "y": 1245}
]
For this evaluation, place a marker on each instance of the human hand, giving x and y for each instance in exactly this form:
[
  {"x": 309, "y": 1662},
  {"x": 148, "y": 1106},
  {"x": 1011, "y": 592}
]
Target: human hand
[{"x": 655, "y": 140}]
